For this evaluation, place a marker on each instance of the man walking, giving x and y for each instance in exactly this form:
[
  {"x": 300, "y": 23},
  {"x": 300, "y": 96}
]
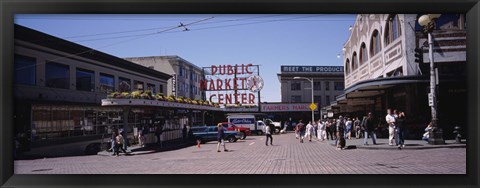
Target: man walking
[
  {"x": 220, "y": 137},
  {"x": 369, "y": 127},
  {"x": 301, "y": 130},
  {"x": 268, "y": 134},
  {"x": 309, "y": 131},
  {"x": 390, "y": 118}
]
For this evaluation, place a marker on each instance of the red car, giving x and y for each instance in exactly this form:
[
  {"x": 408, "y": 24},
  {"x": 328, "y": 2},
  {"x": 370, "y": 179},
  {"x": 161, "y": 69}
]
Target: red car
[{"x": 231, "y": 127}]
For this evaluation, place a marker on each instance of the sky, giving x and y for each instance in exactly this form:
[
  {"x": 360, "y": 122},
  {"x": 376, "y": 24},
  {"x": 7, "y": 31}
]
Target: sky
[{"x": 268, "y": 40}]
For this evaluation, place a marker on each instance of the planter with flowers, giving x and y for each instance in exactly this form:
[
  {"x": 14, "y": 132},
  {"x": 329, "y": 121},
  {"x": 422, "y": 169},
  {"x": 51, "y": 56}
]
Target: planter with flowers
[{"x": 160, "y": 97}]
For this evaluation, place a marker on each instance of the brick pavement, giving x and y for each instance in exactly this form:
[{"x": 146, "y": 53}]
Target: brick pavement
[{"x": 251, "y": 156}]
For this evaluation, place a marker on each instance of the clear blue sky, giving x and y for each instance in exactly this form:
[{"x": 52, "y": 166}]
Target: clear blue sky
[{"x": 267, "y": 40}]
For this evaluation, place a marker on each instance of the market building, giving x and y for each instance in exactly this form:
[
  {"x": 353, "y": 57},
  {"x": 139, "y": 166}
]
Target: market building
[
  {"x": 186, "y": 76},
  {"x": 59, "y": 86},
  {"x": 381, "y": 72},
  {"x": 328, "y": 83}
]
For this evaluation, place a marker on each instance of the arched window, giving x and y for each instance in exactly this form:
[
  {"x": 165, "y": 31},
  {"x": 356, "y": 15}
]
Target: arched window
[
  {"x": 392, "y": 29},
  {"x": 347, "y": 67},
  {"x": 363, "y": 54},
  {"x": 354, "y": 61},
  {"x": 375, "y": 45}
]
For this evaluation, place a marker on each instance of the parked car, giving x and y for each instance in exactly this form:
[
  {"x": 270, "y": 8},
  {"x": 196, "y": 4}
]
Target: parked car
[
  {"x": 232, "y": 127},
  {"x": 209, "y": 133}
]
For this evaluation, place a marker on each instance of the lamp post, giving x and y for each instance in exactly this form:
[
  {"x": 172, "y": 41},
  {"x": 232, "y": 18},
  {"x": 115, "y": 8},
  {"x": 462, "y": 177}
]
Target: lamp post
[
  {"x": 311, "y": 81},
  {"x": 428, "y": 23}
]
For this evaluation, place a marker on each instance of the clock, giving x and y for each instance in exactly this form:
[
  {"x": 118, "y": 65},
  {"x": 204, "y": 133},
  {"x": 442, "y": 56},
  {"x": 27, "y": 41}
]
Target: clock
[{"x": 254, "y": 83}]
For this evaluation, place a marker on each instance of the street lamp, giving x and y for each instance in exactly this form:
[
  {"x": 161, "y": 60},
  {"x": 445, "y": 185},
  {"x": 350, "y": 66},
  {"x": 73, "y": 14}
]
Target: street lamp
[
  {"x": 311, "y": 81},
  {"x": 428, "y": 23}
]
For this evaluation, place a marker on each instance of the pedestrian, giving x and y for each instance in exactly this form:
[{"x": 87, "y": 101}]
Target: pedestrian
[
  {"x": 112, "y": 140},
  {"x": 390, "y": 118},
  {"x": 358, "y": 128},
  {"x": 158, "y": 132},
  {"x": 321, "y": 131},
  {"x": 395, "y": 133},
  {"x": 184, "y": 133},
  {"x": 334, "y": 128},
  {"x": 348, "y": 130},
  {"x": 400, "y": 129},
  {"x": 125, "y": 139},
  {"x": 309, "y": 131},
  {"x": 315, "y": 129},
  {"x": 426, "y": 135},
  {"x": 328, "y": 129},
  {"x": 119, "y": 144},
  {"x": 297, "y": 131},
  {"x": 301, "y": 130},
  {"x": 221, "y": 137},
  {"x": 268, "y": 134},
  {"x": 141, "y": 137},
  {"x": 340, "y": 142},
  {"x": 369, "y": 127}
]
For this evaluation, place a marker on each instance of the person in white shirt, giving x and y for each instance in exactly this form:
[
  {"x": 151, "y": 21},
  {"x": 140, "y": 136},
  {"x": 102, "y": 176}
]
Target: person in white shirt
[
  {"x": 390, "y": 118},
  {"x": 321, "y": 133},
  {"x": 309, "y": 131}
]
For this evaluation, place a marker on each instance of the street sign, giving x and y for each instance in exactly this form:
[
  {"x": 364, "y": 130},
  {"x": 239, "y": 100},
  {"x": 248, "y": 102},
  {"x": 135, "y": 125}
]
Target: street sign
[{"x": 313, "y": 106}]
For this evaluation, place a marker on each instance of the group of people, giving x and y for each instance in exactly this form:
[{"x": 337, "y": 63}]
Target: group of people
[
  {"x": 119, "y": 142},
  {"x": 396, "y": 128}
]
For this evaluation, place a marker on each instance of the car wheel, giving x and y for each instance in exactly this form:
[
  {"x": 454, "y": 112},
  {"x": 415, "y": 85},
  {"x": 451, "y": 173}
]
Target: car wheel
[
  {"x": 260, "y": 132},
  {"x": 277, "y": 130},
  {"x": 231, "y": 139}
]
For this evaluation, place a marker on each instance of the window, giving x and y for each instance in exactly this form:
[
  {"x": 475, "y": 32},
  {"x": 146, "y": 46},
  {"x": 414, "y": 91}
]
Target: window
[
  {"x": 317, "y": 85},
  {"x": 339, "y": 86},
  {"x": 151, "y": 87},
  {"x": 327, "y": 99},
  {"x": 327, "y": 86},
  {"x": 354, "y": 61},
  {"x": 85, "y": 80},
  {"x": 107, "y": 83},
  {"x": 317, "y": 99},
  {"x": 375, "y": 45},
  {"x": 296, "y": 98},
  {"x": 57, "y": 75},
  {"x": 124, "y": 84},
  {"x": 347, "y": 67},
  {"x": 392, "y": 29},
  {"x": 296, "y": 86},
  {"x": 25, "y": 70},
  {"x": 161, "y": 88},
  {"x": 363, "y": 54},
  {"x": 137, "y": 85}
]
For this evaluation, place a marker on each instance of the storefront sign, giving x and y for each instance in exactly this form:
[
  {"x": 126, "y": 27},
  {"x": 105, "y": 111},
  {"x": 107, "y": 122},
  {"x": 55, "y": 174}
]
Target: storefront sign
[
  {"x": 174, "y": 84},
  {"x": 287, "y": 107},
  {"x": 232, "y": 84},
  {"x": 304, "y": 69}
]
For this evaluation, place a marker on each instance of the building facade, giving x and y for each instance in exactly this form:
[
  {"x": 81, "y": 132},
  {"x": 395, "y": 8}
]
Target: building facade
[
  {"x": 59, "y": 85},
  {"x": 381, "y": 71},
  {"x": 186, "y": 77},
  {"x": 328, "y": 83}
]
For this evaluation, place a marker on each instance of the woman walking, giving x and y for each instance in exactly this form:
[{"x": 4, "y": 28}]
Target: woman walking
[{"x": 321, "y": 131}]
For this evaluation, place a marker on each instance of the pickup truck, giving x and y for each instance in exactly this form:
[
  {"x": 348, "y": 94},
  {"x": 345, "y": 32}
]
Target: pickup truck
[
  {"x": 209, "y": 133},
  {"x": 231, "y": 127}
]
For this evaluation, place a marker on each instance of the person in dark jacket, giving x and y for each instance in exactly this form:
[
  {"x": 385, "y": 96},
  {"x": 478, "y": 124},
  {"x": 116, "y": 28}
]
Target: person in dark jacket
[
  {"x": 401, "y": 129},
  {"x": 369, "y": 129},
  {"x": 220, "y": 137},
  {"x": 301, "y": 130}
]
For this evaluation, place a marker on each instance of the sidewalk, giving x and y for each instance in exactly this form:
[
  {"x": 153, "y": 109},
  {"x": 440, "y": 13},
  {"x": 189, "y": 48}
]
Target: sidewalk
[
  {"x": 151, "y": 148},
  {"x": 382, "y": 144}
]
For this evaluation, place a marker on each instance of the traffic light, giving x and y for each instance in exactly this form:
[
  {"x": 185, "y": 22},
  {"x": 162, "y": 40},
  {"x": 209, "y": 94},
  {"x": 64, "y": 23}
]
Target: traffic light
[{"x": 419, "y": 55}]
